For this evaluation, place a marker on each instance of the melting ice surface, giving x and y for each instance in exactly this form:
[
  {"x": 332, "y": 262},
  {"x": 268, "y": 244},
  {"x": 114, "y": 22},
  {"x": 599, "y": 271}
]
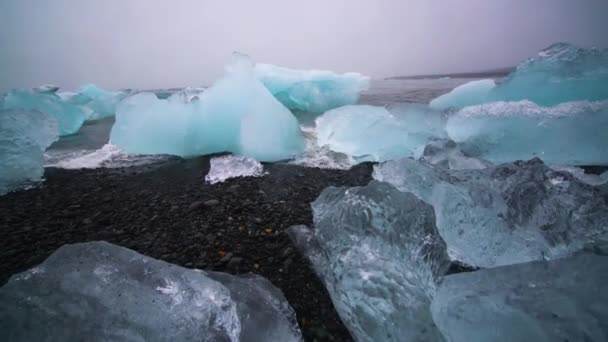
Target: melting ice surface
[
  {"x": 237, "y": 114},
  {"x": 379, "y": 253},
  {"x": 373, "y": 133},
  {"x": 545, "y": 301},
  {"x": 69, "y": 117},
  {"x": 314, "y": 91},
  {"x": 571, "y": 133},
  {"x": 24, "y": 135},
  {"x": 225, "y": 167},
  {"x": 507, "y": 214},
  {"x": 558, "y": 74},
  {"x": 97, "y": 291}
]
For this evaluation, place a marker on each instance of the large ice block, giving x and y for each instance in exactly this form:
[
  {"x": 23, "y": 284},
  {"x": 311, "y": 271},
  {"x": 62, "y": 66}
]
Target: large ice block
[
  {"x": 314, "y": 91},
  {"x": 561, "y": 73},
  {"x": 237, "y": 114},
  {"x": 101, "y": 103},
  {"x": 507, "y": 214},
  {"x": 24, "y": 135},
  {"x": 69, "y": 117},
  {"x": 560, "y": 300},
  {"x": 371, "y": 133},
  {"x": 97, "y": 291},
  {"x": 379, "y": 254},
  {"x": 572, "y": 133}
]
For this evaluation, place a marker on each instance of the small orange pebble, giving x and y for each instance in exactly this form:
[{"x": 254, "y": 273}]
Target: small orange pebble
[{"x": 221, "y": 253}]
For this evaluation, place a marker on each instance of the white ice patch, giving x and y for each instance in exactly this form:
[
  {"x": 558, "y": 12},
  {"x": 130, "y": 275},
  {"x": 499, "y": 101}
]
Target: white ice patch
[
  {"x": 321, "y": 156},
  {"x": 109, "y": 156},
  {"x": 226, "y": 167}
]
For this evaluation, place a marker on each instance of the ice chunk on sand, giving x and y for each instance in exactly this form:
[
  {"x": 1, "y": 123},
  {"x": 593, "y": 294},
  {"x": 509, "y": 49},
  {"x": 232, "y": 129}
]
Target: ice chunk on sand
[
  {"x": 24, "y": 135},
  {"x": 506, "y": 214},
  {"x": 370, "y": 133},
  {"x": 101, "y": 103},
  {"x": 470, "y": 93},
  {"x": 97, "y": 291},
  {"x": 237, "y": 114},
  {"x": 379, "y": 254},
  {"x": 561, "y": 73},
  {"x": 560, "y": 300},
  {"x": 222, "y": 168},
  {"x": 69, "y": 117},
  {"x": 314, "y": 91},
  {"x": 572, "y": 133}
]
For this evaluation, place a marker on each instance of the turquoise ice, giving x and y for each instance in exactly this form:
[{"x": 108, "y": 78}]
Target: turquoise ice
[
  {"x": 24, "y": 135},
  {"x": 313, "y": 91},
  {"x": 573, "y": 133},
  {"x": 97, "y": 291},
  {"x": 237, "y": 114},
  {"x": 558, "y": 74},
  {"x": 69, "y": 117},
  {"x": 101, "y": 103}
]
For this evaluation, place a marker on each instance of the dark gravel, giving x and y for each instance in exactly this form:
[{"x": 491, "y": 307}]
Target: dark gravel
[{"x": 168, "y": 212}]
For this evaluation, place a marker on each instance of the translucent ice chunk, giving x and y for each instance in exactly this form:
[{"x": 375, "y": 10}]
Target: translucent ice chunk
[
  {"x": 470, "y": 93},
  {"x": 379, "y": 254},
  {"x": 237, "y": 114},
  {"x": 24, "y": 135},
  {"x": 560, "y": 300},
  {"x": 311, "y": 90},
  {"x": 69, "y": 117},
  {"x": 572, "y": 133},
  {"x": 506, "y": 214},
  {"x": 100, "y": 102},
  {"x": 97, "y": 291},
  {"x": 222, "y": 168}
]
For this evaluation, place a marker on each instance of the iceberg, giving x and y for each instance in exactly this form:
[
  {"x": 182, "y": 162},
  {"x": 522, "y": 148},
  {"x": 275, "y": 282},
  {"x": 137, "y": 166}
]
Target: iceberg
[
  {"x": 571, "y": 133},
  {"x": 222, "y": 168},
  {"x": 97, "y": 291},
  {"x": 372, "y": 133},
  {"x": 101, "y": 103},
  {"x": 544, "y": 301},
  {"x": 315, "y": 91},
  {"x": 24, "y": 135},
  {"x": 506, "y": 214},
  {"x": 561, "y": 73},
  {"x": 69, "y": 117},
  {"x": 237, "y": 114},
  {"x": 379, "y": 254},
  {"x": 468, "y": 94}
]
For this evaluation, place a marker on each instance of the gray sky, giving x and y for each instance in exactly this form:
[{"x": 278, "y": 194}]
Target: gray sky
[{"x": 161, "y": 44}]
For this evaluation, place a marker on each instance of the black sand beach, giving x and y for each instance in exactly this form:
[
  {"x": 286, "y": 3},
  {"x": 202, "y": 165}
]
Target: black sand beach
[{"x": 167, "y": 212}]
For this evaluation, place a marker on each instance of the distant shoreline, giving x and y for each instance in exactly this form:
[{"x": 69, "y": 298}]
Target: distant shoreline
[{"x": 493, "y": 73}]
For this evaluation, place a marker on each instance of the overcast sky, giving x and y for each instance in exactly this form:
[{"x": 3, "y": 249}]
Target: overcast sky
[{"x": 161, "y": 44}]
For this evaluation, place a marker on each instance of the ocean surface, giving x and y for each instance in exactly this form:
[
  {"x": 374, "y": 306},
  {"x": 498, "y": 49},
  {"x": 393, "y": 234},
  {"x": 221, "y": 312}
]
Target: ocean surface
[{"x": 89, "y": 148}]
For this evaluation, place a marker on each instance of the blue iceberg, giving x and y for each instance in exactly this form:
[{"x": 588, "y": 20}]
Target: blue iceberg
[
  {"x": 101, "y": 103},
  {"x": 24, "y": 135},
  {"x": 97, "y": 291},
  {"x": 371, "y": 133},
  {"x": 313, "y": 91},
  {"x": 558, "y": 74},
  {"x": 506, "y": 214},
  {"x": 69, "y": 117},
  {"x": 572, "y": 133},
  {"x": 237, "y": 114}
]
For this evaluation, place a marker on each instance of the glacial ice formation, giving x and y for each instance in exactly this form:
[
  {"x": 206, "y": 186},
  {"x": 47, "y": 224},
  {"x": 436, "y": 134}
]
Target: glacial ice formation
[
  {"x": 571, "y": 133},
  {"x": 69, "y": 117},
  {"x": 24, "y": 135},
  {"x": 507, "y": 214},
  {"x": 97, "y": 291},
  {"x": 370, "y": 133},
  {"x": 379, "y": 254},
  {"x": 101, "y": 103},
  {"x": 225, "y": 167},
  {"x": 561, "y": 73},
  {"x": 544, "y": 301},
  {"x": 470, "y": 93},
  {"x": 314, "y": 91},
  {"x": 237, "y": 114}
]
